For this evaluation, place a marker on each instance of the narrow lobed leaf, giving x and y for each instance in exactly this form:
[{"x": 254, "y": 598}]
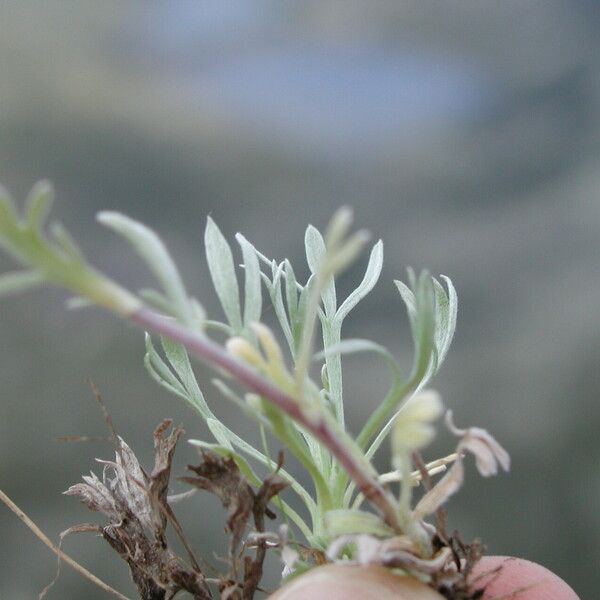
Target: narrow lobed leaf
[
  {"x": 220, "y": 432},
  {"x": 222, "y": 272},
  {"x": 152, "y": 250},
  {"x": 446, "y": 312},
  {"x": 367, "y": 284},
  {"x": 354, "y": 345},
  {"x": 16, "y": 282},
  {"x": 66, "y": 243},
  {"x": 252, "y": 283},
  {"x": 350, "y": 521},
  {"x": 315, "y": 254},
  {"x": 291, "y": 293},
  {"x": 180, "y": 361},
  {"x": 38, "y": 204}
]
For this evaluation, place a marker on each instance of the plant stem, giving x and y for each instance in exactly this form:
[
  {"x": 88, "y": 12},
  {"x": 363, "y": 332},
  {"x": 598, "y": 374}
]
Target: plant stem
[
  {"x": 72, "y": 563},
  {"x": 217, "y": 356},
  {"x": 382, "y": 412},
  {"x": 399, "y": 390}
]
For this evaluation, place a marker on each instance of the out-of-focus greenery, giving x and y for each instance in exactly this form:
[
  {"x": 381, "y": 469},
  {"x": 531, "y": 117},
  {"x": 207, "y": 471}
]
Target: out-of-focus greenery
[{"x": 464, "y": 135}]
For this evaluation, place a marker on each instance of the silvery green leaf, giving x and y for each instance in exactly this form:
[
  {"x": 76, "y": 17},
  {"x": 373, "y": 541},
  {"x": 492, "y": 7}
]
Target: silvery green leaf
[
  {"x": 425, "y": 323},
  {"x": 156, "y": 299},
  {"x": 291, "y": 292},
  {"x": 158, "y": 378},
  {"x": 441, "y": 313},
  {"x": 222, "y": 272},
  {"x": 38, "y": 204},
  {"x": 325, "y": 379},
  {"x": 409, "y": 299},
  {"x": 240, "y": 461},
  {"x": 448, "y": 305},
  {"x": 252, "y": 283},
  {"x": 315, "y": 248},
  {"x": 275, "y": 293},
  {"x": 66, "y": 243},
  {"x": 198, "y": 312},
  {"x": 240, "y": 402},
  {"x": 179, "y": 359},
  {"x": 367, "y": 284},
  {"x": 262, "y": 258},
  {"x": 218, "y": 326},
  {"x": 161, "y": 373},
  {"x": 331, "y": 337},
  {"x": 77, "y": 302},
  {"x": 315, "y": 254},
  {"x": 315, "y": 449},
  {"x": 353, "y": 346},
  {"x": 152, "y": 250},
  {"x": 16, "y": 282},
  {"x": 220, "y": 432},
  {"x": 231, "y": 437},
  {"x": 425, "y": 306},
  {"x": 303, "y": 299},
  {"x": 350, "y": 521},
  {"x": 420, "y": 306}
]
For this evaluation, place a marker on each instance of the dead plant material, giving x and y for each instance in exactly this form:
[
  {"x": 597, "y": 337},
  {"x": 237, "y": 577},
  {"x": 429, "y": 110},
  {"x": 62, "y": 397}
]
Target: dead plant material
[
  {"x": 137, "y": 506},
  {"x": 454, "y": 581},
  {"x": 221, "y": 476},
  {"x": 253, "y": 568},
  {"x": 137, "y": 510}
]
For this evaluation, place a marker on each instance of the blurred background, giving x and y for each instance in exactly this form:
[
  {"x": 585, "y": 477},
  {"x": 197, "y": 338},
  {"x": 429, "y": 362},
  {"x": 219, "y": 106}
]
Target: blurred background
[{"x": 465, "y": 134}]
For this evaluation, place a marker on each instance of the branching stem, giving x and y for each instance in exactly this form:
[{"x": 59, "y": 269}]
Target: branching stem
[{"x": 217, "y": 356}]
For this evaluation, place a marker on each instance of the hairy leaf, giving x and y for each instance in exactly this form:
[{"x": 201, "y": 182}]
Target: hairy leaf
[
  {"x": 315, "y": 254},
  {"x": 17, "y": 282},
  {"x": 153, "y": 251},
  {"x": 252, "y": 284},
  {"x": 345, "y": 521},
  {"x": 367, "y": 284},
  {"x": 222, "y": 272}
]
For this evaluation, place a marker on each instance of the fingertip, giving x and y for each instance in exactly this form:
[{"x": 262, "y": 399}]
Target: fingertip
[
  {"x": 519, "y": 579},
  {"x": 500, "y": 576}
]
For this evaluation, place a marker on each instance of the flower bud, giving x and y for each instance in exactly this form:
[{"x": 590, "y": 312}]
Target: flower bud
[
  {"x": 412, "y": 427},
  {"x": 244, "y": 350}
]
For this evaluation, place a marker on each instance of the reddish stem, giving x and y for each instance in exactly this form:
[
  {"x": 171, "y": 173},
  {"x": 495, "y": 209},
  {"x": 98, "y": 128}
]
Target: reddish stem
[{"x": 215, "y": 355}]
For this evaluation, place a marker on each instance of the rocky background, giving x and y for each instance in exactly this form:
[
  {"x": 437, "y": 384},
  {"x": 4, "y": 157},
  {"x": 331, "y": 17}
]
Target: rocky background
[{"x": 465, "y": 134}]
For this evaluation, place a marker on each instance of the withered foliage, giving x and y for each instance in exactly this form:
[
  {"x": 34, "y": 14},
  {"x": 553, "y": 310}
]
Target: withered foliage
[
  {"x": 221, "y": 476},
  {"x": 136, "y": 505},
  {"x": 454, "y": 580}
]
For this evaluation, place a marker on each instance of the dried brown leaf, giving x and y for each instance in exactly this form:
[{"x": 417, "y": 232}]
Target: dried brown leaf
[
  {"x": 158, "y": 481},
  {"x": 221, "y": 476},
  {"x": 447, "y": 486},
  {"x": 137, "y": 510},
  {"x": 487, "y": 451},
  {"x": 253, "y": 568},
  {"x": 488, "y": 455}
]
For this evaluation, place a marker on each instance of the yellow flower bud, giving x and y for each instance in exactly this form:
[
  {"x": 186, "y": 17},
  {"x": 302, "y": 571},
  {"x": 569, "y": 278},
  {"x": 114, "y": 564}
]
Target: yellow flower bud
[
  {"x": 269, "y": 344},
  {"x": 254, "y": 401},
  {"x": 245, "y": 351},
  {"x": 412, "y": 427}
]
